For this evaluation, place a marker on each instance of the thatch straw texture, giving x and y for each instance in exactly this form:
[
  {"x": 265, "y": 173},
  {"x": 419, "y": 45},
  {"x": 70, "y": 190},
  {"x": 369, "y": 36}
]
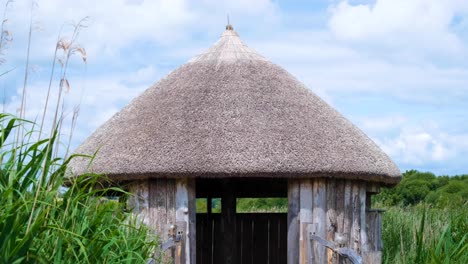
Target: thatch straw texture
[{"x": 231, "y": 113}]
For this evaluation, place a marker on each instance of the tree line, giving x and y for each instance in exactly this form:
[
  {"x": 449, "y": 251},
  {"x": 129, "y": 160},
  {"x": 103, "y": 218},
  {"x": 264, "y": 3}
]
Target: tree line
[{"x": 417, "y": 187}]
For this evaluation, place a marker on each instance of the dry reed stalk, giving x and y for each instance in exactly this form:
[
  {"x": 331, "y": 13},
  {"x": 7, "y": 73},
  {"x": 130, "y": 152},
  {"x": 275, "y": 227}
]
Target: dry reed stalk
[
  {"x": 22, "y": 109},
  {"x": 54, "y": 61},
  {"x": 69, "y": 49},
  {"x": 5, "y": 35},
  {"x": 76, "y": 111}
]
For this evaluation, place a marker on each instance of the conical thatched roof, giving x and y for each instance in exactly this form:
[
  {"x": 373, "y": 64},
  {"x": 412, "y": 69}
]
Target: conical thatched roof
[{"x": 230, "y": 112}]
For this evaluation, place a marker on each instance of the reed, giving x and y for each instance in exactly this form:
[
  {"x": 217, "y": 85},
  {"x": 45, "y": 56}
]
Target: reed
[
  {"x": 73, "y": 225},
  {"x": 41, "y": 220},
  {"x": 421, "y": 234}
]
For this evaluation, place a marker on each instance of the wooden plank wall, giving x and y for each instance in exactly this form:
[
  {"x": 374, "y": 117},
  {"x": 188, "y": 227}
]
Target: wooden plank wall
[
  {"x": 160, "y": 203},
  {"x": 336, "y": 211},
  {"x": 185, "y": 207},
  {"x": 293, "y": 221},
  {"x": 154, "y": 202},
  {"x": 261, "y": 238}
]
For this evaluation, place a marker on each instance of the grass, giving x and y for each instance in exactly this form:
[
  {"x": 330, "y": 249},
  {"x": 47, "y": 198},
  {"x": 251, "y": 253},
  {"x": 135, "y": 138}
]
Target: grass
[
  {"x": 41, "y": 221},
  {"x": 420, "y": 234},
  {"x": 74, "y": 225}
]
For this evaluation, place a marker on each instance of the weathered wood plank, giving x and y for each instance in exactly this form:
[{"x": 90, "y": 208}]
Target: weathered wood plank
[
  {"x": 260, "y": 240},
  {"x": 340, "y": 215},
  {"x": 344, "y": 207},
  {"x": 305, "y": 216},
  {"x": 158, "y": 203},
  {"x": 282, "y": 246},
  {"x": 171, "y": 201},
  {"x": 319, "y": 219},
  {"x": 340, "y": 206},
  {"x": 228, "y": 212},
  {"x": 331, "y": 217},
  {"x": 192, "y": 223},
  {"x": 355, "y": 233},
  {"x": 374, "y": 229},
  {"x": 201, "y": 237},
  {"x": 153, "y": 202},
  {"x": 248, "y": 239},
  {"x": 138, "y": 202},
  {"x": 372, "y": 257},
  {"x": 218, "y": 238},
  {"x": 348, "y": 212},
  {"x": 185, "y": 192},
  {"x": 293, "y": 221},
  {"x": 362, "y": 216}
]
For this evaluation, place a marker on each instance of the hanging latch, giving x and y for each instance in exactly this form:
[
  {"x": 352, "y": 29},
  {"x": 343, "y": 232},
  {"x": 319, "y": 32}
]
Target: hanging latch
[
  {"x": 352, "y": 255},
  {"x": 175, "y": 236}
]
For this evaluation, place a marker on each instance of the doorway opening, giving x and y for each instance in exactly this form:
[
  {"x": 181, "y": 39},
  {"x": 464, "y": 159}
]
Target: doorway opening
[{"x": 241, "y": 220}]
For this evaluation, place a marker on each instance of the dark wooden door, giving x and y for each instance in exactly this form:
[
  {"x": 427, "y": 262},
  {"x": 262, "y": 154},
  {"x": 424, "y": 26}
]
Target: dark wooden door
[{"x": 261, "y": 238}]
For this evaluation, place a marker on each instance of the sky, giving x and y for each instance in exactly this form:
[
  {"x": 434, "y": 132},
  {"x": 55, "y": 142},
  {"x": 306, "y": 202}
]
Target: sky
[{"x": 398, "y": 69}]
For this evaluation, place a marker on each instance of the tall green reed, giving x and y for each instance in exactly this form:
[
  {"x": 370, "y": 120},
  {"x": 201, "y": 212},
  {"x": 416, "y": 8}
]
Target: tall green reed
[
  {"x": 41, "y": 221},
  {"x": 420, "y": 234},
  {"x": 77, "y": 224}
]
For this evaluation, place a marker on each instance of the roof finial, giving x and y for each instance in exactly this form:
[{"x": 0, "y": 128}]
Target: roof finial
[{"x": 228, "y": 26}]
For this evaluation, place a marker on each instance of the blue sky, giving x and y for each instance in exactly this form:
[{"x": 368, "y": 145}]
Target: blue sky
[{"x": 398, "y": 69}]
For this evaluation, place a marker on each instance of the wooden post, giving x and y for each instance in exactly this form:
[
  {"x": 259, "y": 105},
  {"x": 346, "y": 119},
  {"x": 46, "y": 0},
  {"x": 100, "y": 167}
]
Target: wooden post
[
  {"x": 293, "y": 221},
  {"x": 348, "y": 213},
  {"x": 355, "y": 233},
  {"x": 319, "y": 219},
  {"x": 332, "y": 222},
  {"x": 305, "y": 216},
  {"x": 340, "y": 211},
  {"x": 192, "y": 206},
  {"x": 185, "y": 220},
  {"x": 362, "y": 216},
  {"x": 374, "y": 236},
  {"x": 228, "y": 212},
  {"x": 138, "y": 202},
  {"x": 153, "y": 201}
]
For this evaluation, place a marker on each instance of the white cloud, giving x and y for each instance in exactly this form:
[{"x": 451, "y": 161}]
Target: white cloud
[
  {"x": 383, "y": 123},
  {"x": 112, "y": 24},
  {"x": 117, "y": 24},
  {"x": 417, "y": 145},
  {"x": 98, "y": 98},
  {"x": 146, "y": 74},
  {"x": 383, "y": 50},
  {"x": 422, "y": 24}
]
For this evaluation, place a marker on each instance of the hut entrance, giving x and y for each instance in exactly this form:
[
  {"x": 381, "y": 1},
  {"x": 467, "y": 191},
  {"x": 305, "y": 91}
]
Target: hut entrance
[{"x": 228, "y": 233}]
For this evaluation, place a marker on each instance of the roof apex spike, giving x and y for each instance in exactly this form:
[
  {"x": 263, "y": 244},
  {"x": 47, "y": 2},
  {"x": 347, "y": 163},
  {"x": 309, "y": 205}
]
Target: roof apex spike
[{"x": 229, "y": 26}]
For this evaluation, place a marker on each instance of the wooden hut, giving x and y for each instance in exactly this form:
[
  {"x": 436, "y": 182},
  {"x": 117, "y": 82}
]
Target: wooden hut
[{"x": 230, "y": 124}]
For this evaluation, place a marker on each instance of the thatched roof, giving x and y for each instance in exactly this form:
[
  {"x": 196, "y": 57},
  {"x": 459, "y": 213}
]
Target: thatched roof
[{"x": 230, "y": 112}]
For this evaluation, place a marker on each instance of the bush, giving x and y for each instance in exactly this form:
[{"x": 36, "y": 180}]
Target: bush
[{"x": 417, "y": 187}]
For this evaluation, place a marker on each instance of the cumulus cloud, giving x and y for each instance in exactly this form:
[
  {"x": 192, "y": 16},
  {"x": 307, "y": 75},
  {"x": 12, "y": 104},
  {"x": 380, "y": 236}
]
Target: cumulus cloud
[
  {"x": 382, "y": 124},
  {"x": 117, "y": 24},
  {"x": 426, "y": 24},
  {"x": 417, "y": 147},
  {"x": 98, "y": 98},
  {"x": 112, "y": 24},
  {"x": 419, "y": 144},
  {"x": 362, "y": 58}
]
